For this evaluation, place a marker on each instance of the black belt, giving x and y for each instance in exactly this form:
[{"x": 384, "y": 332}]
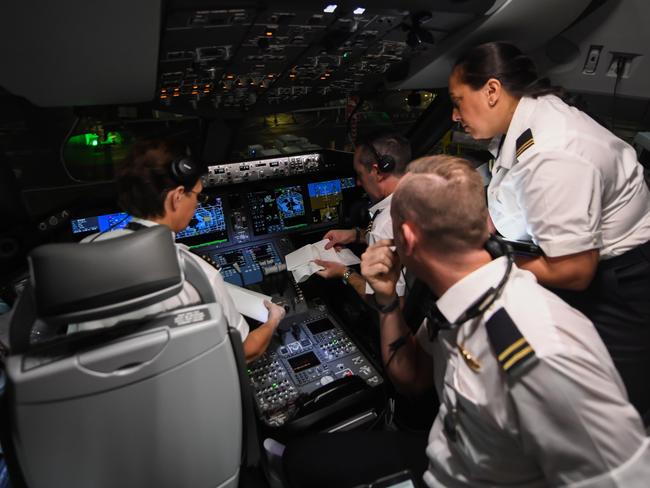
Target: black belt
[{"x": 636, "y": 255}]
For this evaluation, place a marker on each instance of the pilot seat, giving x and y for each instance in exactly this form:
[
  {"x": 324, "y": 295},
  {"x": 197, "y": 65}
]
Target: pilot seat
[{"x": 155, "y": 401}]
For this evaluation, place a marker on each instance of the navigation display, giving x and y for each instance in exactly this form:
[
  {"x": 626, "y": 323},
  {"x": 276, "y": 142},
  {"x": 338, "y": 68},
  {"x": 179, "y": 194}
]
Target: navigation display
[
  {"x": 100, "y": 223},
  {"x": 277, "y": 210},
  {"x": 325, "y": 198},
  {"x": 208, "y": 220}
]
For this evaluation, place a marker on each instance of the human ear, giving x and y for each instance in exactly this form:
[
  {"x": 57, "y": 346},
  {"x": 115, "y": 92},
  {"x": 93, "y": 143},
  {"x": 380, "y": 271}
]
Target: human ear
[
  {"x": 174, "y": 197},
  {"x": 410, "y": 238},
  {"x": 492, "y": 91}
]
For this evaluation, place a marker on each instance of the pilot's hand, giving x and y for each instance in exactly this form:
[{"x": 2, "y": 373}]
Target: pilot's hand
[
  {"x": 332, "y": 269},
  {"x": 380, "y": 266},
  {"x": 340, "y": 237},
  {"x": 276, "y": 313}
]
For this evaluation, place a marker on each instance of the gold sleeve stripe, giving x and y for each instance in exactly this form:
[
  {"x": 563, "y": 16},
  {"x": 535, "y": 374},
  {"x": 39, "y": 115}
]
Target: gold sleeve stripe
[
  {"x": 517, "y": 357},
  {"x": 511, "y": 348},
  {"x": 525, "y": 146}
]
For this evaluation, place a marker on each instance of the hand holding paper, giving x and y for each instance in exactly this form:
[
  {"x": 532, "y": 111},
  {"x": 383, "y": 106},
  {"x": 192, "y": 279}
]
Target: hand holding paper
[
  {"x": 248, "y": 302},
  {"x": 300, "y": 262}
]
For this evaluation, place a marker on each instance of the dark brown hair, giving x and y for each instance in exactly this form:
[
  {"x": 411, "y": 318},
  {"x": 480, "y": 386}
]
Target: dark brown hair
[
  {"x": 144, "y": 177},
  {"x": 506, "y": 63}
]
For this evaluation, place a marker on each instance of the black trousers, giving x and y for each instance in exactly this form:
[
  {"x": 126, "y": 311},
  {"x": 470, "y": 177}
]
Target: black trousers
[
  {"x": 348, "y": 459},
  {"x": 618, "y": 303}
]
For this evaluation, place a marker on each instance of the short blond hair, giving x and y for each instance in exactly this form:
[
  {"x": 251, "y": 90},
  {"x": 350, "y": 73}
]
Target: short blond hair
[{"x": 444, "y": 197}]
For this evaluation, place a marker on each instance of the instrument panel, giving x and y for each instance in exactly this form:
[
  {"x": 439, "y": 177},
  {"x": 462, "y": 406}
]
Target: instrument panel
[
  {"x": 247, "y": 265},
  {"x": 311, "y": 352},
  {"x": 248, "y": 205},
  {"x": 261, "y": 169},
  {"x": 261, "y": 211}
]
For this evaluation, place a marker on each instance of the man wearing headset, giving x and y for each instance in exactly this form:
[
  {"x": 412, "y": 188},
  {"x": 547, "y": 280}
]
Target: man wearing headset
[
  {"x": 529, "y": 394},
  {"x": 158, "y": 186},
  {"x": 379, "y": 162}
]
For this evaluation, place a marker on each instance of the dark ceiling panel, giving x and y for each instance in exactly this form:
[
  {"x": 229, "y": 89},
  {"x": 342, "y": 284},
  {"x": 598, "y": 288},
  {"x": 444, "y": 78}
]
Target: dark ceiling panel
[{"x": 78, "y": 52}]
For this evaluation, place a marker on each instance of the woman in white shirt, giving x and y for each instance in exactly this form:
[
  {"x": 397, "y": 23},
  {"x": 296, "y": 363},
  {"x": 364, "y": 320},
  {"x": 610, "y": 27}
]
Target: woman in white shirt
[
  {"x": 157, "y": 185},
  {"x": 571, "y": 186}
]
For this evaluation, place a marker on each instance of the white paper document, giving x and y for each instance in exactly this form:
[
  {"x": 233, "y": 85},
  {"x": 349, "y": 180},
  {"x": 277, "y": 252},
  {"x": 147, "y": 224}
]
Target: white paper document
[
  {"x": 248, "y": 302},
  {"x": 300, "y": 262}
]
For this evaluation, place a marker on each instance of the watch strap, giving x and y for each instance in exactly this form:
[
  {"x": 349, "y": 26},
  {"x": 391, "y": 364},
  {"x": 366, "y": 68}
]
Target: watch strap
[{"x": 389, "y": 307}]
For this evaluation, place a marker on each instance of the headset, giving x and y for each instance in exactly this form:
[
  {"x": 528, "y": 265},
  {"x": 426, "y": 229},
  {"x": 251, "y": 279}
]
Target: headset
[
  {"x": 184, "y": 171},
  {"x": 436, "y": 321},
  {"x": 421, "y": 302},
  {"x": 385, "y": 162}
]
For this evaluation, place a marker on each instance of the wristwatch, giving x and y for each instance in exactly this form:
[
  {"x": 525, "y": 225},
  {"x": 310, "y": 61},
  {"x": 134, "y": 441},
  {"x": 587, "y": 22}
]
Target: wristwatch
[
  {"x": 389, "y": 307},
  {"x": 346, "y": 276}
]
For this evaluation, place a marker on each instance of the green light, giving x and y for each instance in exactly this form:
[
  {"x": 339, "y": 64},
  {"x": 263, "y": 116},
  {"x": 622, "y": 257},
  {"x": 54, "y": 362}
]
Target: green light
[
  {"x": 208, "y": 243},
  {"x": 346, "y": 55},
  {"x": 113, "y": 138},
  {"x": 275, "y": 385},
  {"x": 295, "y": 226},
  {"x": 85, "y": 139},
  {"x": 93, "y": 140}
]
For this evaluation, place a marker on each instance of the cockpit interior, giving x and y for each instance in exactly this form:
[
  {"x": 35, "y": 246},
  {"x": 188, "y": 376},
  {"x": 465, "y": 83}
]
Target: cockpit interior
[{"x": 271, "y": 97}]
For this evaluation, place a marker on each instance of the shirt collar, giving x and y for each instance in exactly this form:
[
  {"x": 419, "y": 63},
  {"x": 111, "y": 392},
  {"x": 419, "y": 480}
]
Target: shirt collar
[
  {"x": 149, "y": 223},
  {"x": 519, "y": 123},
  {"x": 144, "y": 222},
  {"x": 463, "y": 293},
  {"x": 494, "y": 146},
  {"x": 381, "y": 205}
]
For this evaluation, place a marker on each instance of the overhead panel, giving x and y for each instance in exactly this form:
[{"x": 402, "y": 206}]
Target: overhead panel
[
  {"x": 196, "y": 55},
  {"x": 243, "y": 57}
]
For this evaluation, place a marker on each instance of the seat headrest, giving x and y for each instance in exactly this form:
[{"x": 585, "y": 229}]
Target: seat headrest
[{"x": 82, "y": 282}]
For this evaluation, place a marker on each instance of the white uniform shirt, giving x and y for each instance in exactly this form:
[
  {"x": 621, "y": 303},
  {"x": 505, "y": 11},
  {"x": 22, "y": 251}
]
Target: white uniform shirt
[
  {"x": 382, "y": 228},
  {"x": 576, "y": 187},
  {"x": 564, "y": 422},
  {"x": 187, "y": 296}
]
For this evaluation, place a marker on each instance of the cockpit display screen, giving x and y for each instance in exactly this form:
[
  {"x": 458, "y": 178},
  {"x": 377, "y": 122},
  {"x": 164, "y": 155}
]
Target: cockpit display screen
[
  {"x": 348, "y": 183},
  {"x": 277, "y": 210},
  {"x": 325, "y": 198},
  {"x": 208, "y": 220},
  {"x": 99, "y": 223},
  {"x": 320, "y": 326},
  {"x": 304, "y": 361}
]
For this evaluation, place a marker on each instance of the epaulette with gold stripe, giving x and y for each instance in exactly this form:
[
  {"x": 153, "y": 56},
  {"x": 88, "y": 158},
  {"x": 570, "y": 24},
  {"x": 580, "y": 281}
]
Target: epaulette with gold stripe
[
  {"x": 511, "y": 348},
  {"x": 524, "y": 141}
]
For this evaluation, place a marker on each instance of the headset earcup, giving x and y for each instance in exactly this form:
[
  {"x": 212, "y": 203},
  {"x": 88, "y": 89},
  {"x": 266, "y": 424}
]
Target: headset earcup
[
  {"x": 495, "y": 247},
  {"x": 387, "y": 163},
  {"x": 183, "y": 171}
]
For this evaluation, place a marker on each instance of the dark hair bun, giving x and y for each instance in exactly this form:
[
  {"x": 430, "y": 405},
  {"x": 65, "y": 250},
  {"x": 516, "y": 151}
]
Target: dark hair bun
[{"x": 506, "y": 63}]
